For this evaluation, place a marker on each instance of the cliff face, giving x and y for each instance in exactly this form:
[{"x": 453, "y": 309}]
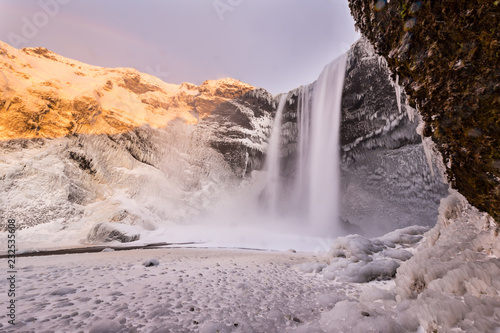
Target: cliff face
[
  {"x": 446, "y": 56},
  {"x": 44, "y": 95},
  {"x": 96, "y": 154},
  {"x": 388, "y": 181}
]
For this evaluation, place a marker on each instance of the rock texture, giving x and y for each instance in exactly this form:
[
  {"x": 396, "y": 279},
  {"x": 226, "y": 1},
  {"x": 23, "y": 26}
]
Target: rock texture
[
  {"x": 98, "y": 154},
  {"x": 388, "y": 179},
  {"x": 239, "y": 129},
  {"x": 446, "y": 55},
  {"x": 44, "y": 95}
]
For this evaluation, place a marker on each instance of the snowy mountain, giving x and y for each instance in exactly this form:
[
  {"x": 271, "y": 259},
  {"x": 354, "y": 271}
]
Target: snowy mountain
[
  {"x": 44, "y": 95},
  {"x": 94, "y": 154}
]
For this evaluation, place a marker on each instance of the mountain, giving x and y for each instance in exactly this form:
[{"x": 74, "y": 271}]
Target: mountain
[
  {"x": 97, "y": 154},
  {"x": 44, "y": 95}
]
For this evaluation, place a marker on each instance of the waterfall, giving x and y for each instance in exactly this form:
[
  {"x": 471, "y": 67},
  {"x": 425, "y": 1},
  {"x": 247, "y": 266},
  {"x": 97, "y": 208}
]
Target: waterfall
[
  {"x": 273, "y": 165},
  {"x": 314, "y": 201},
  {"x": 319, "y": 117}
]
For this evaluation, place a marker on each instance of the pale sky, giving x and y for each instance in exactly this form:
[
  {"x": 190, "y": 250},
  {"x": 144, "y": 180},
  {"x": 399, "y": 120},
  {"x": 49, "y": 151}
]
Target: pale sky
[{"x": 274, "y": 44}]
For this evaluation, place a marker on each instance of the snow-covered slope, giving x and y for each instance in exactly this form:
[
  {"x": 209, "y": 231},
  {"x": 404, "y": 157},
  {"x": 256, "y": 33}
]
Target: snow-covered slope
[
  {"x": 43, "y": 94},
  {"x": 93, "y": 154}
]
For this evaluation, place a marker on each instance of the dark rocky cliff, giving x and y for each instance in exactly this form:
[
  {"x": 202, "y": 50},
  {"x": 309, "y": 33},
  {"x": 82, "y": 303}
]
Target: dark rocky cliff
[
  {"x": 446, "y": 56},
  {"x": 387, "y": 180}
]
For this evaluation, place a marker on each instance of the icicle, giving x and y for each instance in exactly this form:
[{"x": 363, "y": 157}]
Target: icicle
[{"x": 398, "y": 93}]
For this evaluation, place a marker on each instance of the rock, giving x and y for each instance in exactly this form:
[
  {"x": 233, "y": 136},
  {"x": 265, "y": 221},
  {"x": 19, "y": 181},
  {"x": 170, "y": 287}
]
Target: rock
[
  {"x": 72, "y": 97},
  {"x": 151, "y": 262},
  {"x": 108, "y": 232},
  {"x": 239, "y": 129},
  {"x": 447, "y": 62},
  {"x": 63, "y": 291}
]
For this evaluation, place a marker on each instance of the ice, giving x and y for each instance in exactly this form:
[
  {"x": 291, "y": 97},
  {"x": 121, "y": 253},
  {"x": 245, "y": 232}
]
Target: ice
[
  {"x": 365, "y": 272},
  {"x": 400, "y": 254},
  {"x": 453, "y": 279},
  {"x": 355, "y": 247},
  {"x": 107, "y": 232},
  {"x": 349, "y": 316},
  {"x": 397, "y": 87},
  {"x": 357, "y": 259}
]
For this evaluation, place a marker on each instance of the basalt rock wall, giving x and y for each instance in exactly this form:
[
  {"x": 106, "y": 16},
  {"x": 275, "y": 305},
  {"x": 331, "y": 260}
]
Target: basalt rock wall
[{"x": 446, "y": 56}]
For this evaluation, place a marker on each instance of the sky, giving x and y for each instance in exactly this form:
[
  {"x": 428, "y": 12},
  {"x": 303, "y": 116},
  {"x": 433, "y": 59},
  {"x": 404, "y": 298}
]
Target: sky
[{"x": 278, "y": 45}]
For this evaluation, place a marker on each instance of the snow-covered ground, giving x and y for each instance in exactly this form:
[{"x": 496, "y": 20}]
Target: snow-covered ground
[
  {"x": 448, "y": 280},
  {"x": 190, "y": 290}
]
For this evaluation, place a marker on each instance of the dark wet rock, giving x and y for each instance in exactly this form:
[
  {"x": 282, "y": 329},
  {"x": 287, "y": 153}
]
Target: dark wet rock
[
  {"x": 446, "y": 55},
  {"x": 107, "y": 232},
  {"x": 239, "y": 129}
]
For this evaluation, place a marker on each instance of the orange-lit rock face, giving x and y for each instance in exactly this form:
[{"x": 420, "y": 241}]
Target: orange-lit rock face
[
  {"x": 43, "y": 94},
  {"x": 213, "y": 93}
]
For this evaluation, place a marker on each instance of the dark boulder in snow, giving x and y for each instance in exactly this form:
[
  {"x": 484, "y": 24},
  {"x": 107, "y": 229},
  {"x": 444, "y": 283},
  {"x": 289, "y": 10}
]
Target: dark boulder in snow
[
  {"x": 151, "y": 262},
  {"x": 108, "y": 232}
]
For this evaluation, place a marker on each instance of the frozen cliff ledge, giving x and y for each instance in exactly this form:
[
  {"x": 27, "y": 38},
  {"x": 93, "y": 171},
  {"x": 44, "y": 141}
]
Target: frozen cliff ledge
[{"x": 446, "y": 55}]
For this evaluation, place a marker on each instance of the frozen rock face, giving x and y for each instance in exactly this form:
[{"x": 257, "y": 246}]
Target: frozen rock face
[{"x": 387, "y": 181}]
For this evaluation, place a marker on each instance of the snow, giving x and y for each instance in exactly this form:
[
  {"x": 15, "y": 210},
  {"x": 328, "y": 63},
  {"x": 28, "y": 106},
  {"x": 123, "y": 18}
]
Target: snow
[
  {"x": 191, "y": 290},
  {"x": 447, "y": 278}
]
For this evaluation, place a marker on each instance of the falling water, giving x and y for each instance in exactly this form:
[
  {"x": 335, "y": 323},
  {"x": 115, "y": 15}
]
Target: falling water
[
  {"x": 273, "y": 188},
  {"x": 315, "y": 198},
  {"x": 319, "y": 146}
]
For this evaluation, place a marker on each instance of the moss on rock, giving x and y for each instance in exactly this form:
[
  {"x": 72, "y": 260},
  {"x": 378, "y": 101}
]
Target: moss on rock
[{"x": 446, "y": 54}]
